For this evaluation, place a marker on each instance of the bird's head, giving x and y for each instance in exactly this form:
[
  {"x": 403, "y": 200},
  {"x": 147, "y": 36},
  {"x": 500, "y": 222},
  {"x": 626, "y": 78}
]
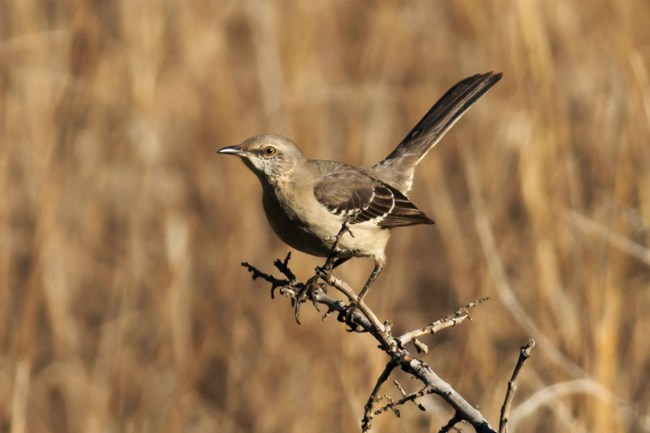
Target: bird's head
[{"x": 270, "y": 157}]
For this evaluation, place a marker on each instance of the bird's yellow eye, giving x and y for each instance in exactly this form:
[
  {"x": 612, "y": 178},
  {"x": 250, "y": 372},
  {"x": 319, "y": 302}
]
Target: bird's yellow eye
[{"x": 269, "y": 151}]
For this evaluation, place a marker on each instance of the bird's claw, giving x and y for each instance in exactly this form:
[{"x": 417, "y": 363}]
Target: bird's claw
[
  {"x": 347, "y": 316},
  {"x": 303, "y": 294},
  {"x": 325, "y": 270}
]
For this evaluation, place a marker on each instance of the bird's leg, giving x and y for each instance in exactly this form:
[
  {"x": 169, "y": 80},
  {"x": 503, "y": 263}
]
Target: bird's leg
[
  {"x": 304, "y": 293},
  {"x": 371, "y": 279},
  {"x": 340, "y": 261},
  {"x": 346, "y": 315},
  {"x": 330, "y": 263}
]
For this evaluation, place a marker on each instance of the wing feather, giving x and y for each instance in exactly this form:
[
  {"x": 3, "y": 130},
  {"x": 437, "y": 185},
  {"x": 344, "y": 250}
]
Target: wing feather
[{"x": 357, "y": 197}]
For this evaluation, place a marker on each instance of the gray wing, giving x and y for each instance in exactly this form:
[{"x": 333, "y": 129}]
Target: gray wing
[{"x": 357, "y": 197}]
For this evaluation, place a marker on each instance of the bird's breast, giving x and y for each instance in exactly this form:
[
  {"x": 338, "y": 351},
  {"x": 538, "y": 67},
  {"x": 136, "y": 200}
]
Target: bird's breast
[
  {"x": 291, "y": 222},
  {"x": 305, "y": 224}
]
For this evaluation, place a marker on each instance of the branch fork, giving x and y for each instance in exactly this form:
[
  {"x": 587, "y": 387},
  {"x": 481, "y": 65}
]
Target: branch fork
[{"x": 360, "y": 318}]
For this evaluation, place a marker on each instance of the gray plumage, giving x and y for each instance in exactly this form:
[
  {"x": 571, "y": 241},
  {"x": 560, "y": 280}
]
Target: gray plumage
[
  {"x": 365, "y": 198},
  {"x": 307, "y": 201}
]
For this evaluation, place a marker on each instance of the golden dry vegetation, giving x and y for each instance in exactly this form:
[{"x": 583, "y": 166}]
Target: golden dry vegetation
[{"x": 123, "y": 307}]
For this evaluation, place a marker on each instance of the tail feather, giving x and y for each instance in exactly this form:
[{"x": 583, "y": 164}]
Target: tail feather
[{"x": 398, "y": 167}]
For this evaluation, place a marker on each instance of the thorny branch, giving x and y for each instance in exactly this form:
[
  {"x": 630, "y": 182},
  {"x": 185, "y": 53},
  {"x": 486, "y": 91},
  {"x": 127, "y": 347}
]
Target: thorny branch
[{"x": 363, "y": 319}]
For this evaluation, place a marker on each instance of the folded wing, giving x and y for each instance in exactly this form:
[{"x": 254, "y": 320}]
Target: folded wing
[{"x": 357, "y": 197}]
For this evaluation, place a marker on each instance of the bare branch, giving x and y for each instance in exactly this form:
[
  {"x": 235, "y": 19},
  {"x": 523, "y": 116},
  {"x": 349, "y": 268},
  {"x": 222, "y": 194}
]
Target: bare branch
[
  {"x": 446, "y": 322},
  {"x": 401, "y": 391},
  {"x": 361, "y": 318},
  {"x": 406, "y": 398},
  {"x": 524, "y": 354},
  {"x": 283, "y": 266},
  {"x": 275, "y": 283},
  {"x": 343, "y": 287},
  {"x": 317, "y": 295},
  {"x": 452, "y": 422},
  {"x": 466, "y": 411},
  {"x": 420, "y": 346},
  {"x": 367, "y": 412}
]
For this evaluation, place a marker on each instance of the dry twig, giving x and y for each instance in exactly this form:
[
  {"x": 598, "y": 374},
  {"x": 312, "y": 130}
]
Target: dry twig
[
  {"x": 446, "y": 322},
  {"x": 524, "y": 354},
  {"x": 451, "y": 424},
  {"x": 363, "y": 319},
  {"x": 383, "y": 377}
]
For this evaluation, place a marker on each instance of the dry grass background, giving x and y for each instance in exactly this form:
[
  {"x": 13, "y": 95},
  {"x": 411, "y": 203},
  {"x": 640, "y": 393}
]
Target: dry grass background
[{"x": 122, "y": 304}]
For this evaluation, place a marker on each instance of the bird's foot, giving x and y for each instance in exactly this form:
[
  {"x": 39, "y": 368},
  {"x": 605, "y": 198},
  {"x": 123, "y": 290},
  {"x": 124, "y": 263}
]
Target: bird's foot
[
  {"x": 305, "y": 293},
  {"x": 347, "y": 316}
]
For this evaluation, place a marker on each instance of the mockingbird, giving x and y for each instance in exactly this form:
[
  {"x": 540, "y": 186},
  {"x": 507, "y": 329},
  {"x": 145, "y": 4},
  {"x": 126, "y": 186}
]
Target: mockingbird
[{"x": 308, "y": 203}]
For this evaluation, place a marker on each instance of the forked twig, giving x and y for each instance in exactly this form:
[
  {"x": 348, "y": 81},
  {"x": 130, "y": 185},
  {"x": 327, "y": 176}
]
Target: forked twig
[
  {"x": 524, "y": 354},
  {"x": 362, "y": 318},
  {"x": 404, "y": 394},
  {"x": 405, "y": 399},
  {"x": 450, "y": 424},
  {"x": 367, "y": 412},
  {"x": 275, "y": 283},
  {"x": 346, "y": 290}
]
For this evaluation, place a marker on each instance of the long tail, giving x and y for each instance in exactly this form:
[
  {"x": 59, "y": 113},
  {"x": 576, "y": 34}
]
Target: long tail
[{"x": 398, "y": 167}]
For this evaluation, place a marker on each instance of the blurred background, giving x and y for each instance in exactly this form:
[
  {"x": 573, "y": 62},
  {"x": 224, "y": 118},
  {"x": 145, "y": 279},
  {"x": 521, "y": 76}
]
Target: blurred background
[{"x": 123, "y": 306}]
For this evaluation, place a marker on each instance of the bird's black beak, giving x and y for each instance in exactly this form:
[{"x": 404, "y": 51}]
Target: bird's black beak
[{"x": 232, "y": 150}]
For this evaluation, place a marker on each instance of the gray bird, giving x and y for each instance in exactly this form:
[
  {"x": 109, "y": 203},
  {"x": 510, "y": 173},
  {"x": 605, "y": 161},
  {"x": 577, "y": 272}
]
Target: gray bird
[{"x": 307, "y": 202}]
